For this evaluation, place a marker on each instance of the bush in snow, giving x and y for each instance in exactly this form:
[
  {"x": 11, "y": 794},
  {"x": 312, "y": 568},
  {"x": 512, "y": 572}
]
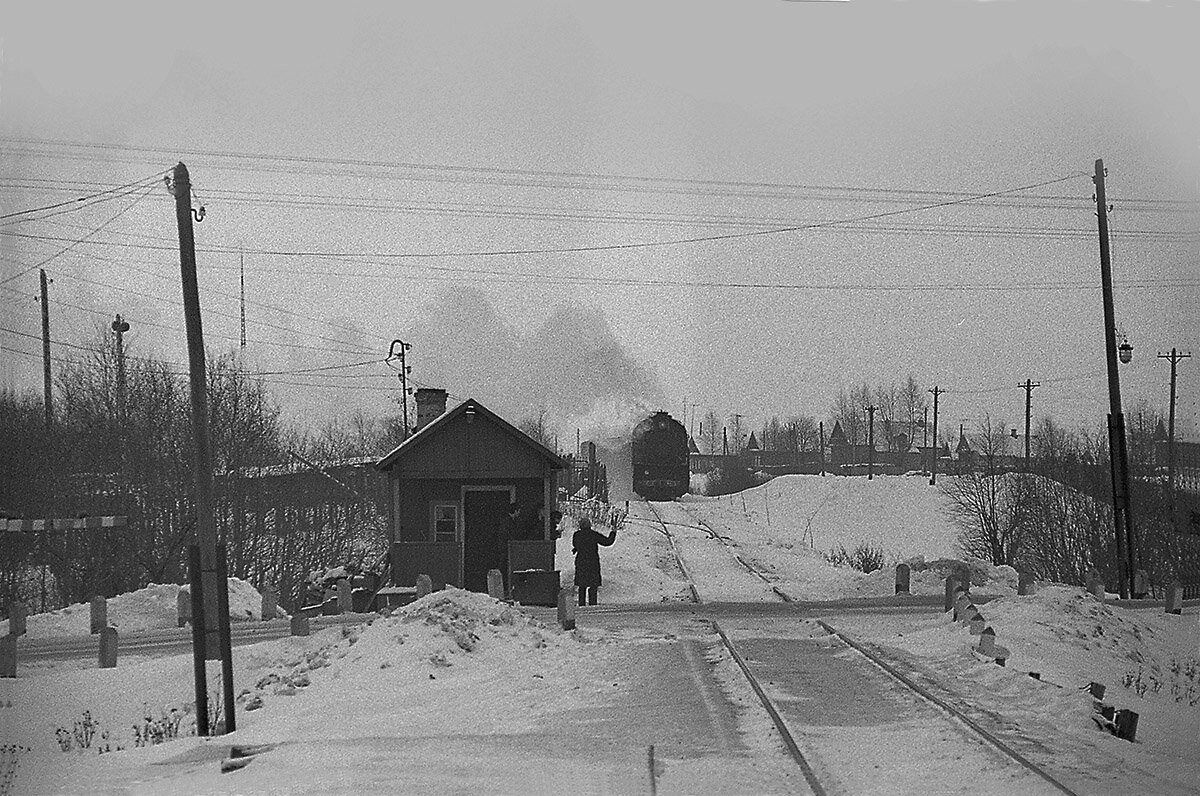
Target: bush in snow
[{"x": 864, "y": 558}]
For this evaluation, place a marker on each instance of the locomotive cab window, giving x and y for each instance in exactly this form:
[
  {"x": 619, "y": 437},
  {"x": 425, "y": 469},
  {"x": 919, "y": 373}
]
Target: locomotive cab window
[{"x": 444, "y": 522}]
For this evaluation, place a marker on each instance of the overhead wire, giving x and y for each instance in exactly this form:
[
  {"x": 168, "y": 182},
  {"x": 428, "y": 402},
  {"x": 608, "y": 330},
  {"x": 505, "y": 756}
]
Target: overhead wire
[
  {"x": 77, "y": 241},
  {"x": 113, "y": 190}
]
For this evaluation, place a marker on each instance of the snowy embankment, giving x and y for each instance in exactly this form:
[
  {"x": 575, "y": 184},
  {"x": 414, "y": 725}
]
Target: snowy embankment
[
  {"x": 1148, "y": 661},
  {"x": 152, "y": 608},
  {"x": 785, "y": 527}
]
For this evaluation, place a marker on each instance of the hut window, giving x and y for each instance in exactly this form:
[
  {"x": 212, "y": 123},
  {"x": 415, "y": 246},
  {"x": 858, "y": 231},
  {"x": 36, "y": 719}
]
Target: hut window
[{"x": 445, "y": 522}]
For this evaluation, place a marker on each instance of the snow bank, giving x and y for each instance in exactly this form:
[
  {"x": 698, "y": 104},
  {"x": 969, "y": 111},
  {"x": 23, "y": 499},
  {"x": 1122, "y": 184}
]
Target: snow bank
[{"x": 151, "y": 608}]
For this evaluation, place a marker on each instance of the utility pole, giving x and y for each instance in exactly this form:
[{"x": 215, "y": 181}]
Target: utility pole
[
  {"x": 1174, "y": 357},
  {"x": 405, "y": 369},
  {"x": 821, "y": 453},
  {"x": 871, "y": 441},
  {"x": 925, "y": 429},
  {"x": 120, "y": 327},
  {"x": 242, "y": 294},
  {"x": 1118, "y": 453},
  {"x": 1029, "y": 387},
  {"x": 209, "y": 587},
  {"x": 933, "y": 465},
  {"x": 724, "y": 441},
  {"x": 46, "y": 353}
]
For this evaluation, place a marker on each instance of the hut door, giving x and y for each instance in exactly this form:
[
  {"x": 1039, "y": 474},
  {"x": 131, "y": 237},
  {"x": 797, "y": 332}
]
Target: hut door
[{"x": 484, "y": 515}]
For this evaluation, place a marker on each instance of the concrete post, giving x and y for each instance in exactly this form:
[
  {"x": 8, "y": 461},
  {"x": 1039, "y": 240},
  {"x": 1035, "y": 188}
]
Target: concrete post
[
  {"x": 951, "y": 587},
  {"x": 903, "y": 574},
  {"x": 183, "y": 608},
  {"x": 270, "y": 603},
  {"x": 1175, "y": 599},
  {"x": 495, "y": 584},
  {"x": 424, "y": 585},
  {"x": 566, "y": 608},
  {"x": 108, "y": 648},
  {"x": 1025, "y": 584},
  {"x": 8, "y": 656},
  {"x": 99, "y": 614},
  {"x": 299, "y": 625},
  {"x": 16, "y": 618},
  {"x": 1141, "y": 581},
  {"x": 345, "y": 603},
  {"x": 1095, "y": 585}
]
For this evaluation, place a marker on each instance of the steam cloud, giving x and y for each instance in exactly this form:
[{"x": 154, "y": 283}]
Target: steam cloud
[{"x": 572, "y": 367}]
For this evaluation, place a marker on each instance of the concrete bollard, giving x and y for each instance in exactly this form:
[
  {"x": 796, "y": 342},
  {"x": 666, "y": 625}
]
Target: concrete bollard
[
  {"x": 345, "y": 601},
  {"x": 566, "y": 608},
  {"x": 495, "y": 583},
  {"x": 16, "y": 618},
  {"x": 8, "y": 656},
  {"x": 299, "y": 625},
  {"x": 952, "y": 586},
  {"x": 183, "y": 608},
  {"x": 270, "y": 603},
  {"x": 1141, "y": 584},
  {"x": 424, "y": 585},
  {"x": 903, "y": 573},
  {"x": 1095, "y": 585},
  {"x": 1025, "y": 584},
  {"x": 108, "y": 648},
  {"x": 1175, "y": 599},
  {"x": 100, "y": 614},
  {"x": 976, "y": 625},
  {"x": 1096, "y": 690}
]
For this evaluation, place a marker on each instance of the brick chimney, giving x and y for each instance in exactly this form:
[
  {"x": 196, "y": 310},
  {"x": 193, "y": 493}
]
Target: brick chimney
[{"x": 431, "y": 403}]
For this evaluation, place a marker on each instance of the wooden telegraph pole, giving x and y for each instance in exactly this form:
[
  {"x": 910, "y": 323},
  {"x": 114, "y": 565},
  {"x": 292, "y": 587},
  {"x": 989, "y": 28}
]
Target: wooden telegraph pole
[
  {"x": 933, "y": 465},
  {"x": 1174, "y": 357},
  {"x": 209, "y": 586},
  {"x": 46, "y": 352},
  {"x": 1029, "y": 387},
  {"x": 1118, "y": 454},
  {"x": 871, "y": 441}
]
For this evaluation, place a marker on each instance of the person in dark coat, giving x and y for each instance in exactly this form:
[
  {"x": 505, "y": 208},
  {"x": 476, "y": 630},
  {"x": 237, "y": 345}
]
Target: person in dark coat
[{"x": 585, "y": 545}]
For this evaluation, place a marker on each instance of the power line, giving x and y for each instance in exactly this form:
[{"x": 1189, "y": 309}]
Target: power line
[
  {"x": 633, "y": 245},
  {"x": 77, "y": 241},
  {"x": 608, "y": 180},
  {"x": 155, "y": 177}
]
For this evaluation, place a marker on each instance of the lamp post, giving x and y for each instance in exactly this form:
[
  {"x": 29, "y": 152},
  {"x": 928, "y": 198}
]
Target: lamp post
[{"x": 1118, "y": 453}]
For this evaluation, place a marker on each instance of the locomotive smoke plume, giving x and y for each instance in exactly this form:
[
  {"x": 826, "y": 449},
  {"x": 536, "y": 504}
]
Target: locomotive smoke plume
[{"x": 572, "y": 367}]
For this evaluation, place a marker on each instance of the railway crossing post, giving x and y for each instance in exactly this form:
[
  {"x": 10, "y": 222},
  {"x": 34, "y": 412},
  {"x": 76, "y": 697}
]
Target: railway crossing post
[{"x": 108, "y": 648}]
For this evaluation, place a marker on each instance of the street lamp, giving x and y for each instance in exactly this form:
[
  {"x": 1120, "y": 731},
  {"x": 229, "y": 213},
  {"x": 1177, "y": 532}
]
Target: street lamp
[{"x": 1125, "y": 351}]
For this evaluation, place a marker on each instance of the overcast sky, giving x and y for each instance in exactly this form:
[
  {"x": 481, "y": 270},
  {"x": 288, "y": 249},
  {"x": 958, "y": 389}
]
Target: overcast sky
[{"x": 506, "y": 136}]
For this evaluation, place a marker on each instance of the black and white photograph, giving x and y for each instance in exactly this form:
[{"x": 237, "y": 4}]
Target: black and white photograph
[{"x": 662, "y": 397}]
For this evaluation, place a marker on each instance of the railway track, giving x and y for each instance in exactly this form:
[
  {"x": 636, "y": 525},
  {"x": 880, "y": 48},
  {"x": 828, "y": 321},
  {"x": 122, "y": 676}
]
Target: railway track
[
  {"x": 728, "y": 550},
  {"x": 824, "y": 691}
]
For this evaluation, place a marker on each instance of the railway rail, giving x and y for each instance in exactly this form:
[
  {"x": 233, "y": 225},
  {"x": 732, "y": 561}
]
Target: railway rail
[{"x": 824, "y": 779}]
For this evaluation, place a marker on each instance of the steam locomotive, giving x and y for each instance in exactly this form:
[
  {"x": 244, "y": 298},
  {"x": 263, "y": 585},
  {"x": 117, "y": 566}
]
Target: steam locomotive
[{"x": 660, "y": 458}]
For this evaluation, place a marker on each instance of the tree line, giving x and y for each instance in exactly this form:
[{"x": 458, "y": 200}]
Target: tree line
[
  {"x": 121, "y": 442},
  {"x": 1053, "y": 518}
]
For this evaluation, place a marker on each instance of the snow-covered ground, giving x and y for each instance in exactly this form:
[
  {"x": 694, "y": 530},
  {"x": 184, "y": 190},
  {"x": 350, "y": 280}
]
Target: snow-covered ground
[
  {"x": 152, "y": 608},
  {"x": 459, "y": 692}
]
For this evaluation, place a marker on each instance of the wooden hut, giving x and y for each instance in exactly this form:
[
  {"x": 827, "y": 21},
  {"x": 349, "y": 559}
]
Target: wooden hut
[{"x": 466, "y": 490}]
